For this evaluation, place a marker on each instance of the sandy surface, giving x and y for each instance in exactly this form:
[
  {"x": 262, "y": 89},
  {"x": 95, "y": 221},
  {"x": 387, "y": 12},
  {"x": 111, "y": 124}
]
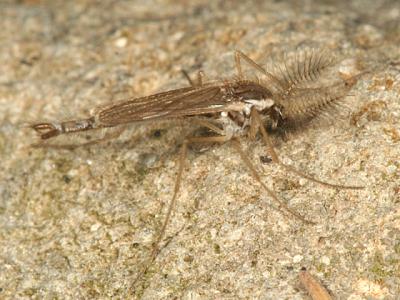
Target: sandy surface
[{"x": 80, "y": 224}]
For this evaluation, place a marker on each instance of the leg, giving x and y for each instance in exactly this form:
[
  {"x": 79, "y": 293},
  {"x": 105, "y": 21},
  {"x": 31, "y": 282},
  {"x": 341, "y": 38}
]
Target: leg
[
  {"x": 208, "y": 125},
  {"x": 256, "y": 176},
  {"x": 182, "y": 157},
  {"x": 240, "y": 55},
  {"x": 256, "y": 117},
  {"x": 200, "y": 76},
  {"x": 212, "y": 139}
]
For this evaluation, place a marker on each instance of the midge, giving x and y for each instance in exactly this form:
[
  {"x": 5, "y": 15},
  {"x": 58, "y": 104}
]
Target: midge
[{"x": 229, "y": 109}]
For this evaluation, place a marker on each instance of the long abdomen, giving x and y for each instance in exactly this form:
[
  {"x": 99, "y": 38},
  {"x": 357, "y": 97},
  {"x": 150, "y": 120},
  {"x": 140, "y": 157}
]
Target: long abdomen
[{"x": 49, "y": 130}]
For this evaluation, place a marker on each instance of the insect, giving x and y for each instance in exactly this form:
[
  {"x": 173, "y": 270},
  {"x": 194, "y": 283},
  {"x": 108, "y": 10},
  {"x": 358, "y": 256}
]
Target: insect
[{"x": 229, "y": 109}]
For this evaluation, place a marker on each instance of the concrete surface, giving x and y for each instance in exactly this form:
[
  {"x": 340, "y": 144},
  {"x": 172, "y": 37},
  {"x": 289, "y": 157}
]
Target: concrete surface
[{"x": 80, "y": 224}]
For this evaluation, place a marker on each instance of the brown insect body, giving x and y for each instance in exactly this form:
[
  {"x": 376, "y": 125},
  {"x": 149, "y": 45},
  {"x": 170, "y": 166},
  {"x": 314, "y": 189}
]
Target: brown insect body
[
  {"x": 209, "y": 100},
  {"x": 277, "y": 97},
  {"x": 244, "y": 105}
]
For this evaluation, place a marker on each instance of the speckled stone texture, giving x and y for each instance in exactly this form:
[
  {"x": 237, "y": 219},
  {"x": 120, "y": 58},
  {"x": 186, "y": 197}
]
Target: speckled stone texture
[{"x": 80, "y": 224}]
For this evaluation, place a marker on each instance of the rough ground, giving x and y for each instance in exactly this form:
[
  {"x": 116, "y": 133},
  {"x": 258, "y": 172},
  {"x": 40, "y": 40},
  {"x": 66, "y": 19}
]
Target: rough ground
[{"x": 79, "y": 224}]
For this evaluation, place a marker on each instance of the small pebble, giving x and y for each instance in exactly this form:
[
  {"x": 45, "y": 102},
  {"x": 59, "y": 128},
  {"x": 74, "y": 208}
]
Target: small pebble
[
  {"x": 297, "y": 258},
  {"x": 121, "y": 42},
  {"x": 325, "y": 260}
]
